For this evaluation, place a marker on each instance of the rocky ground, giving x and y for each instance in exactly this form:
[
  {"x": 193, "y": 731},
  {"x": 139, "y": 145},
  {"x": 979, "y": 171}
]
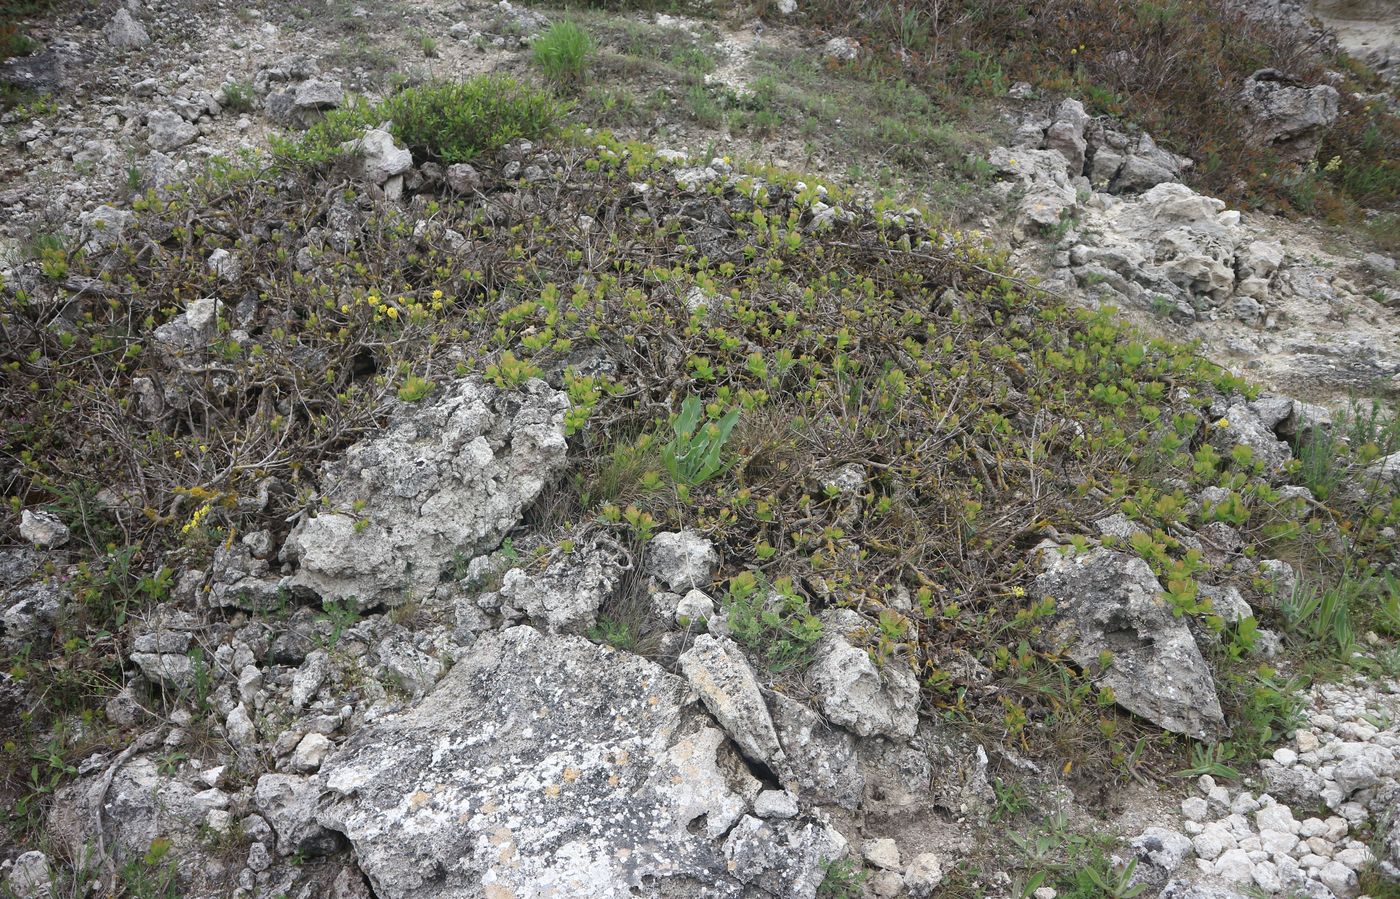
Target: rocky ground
[{"x": 404, "y": 666}]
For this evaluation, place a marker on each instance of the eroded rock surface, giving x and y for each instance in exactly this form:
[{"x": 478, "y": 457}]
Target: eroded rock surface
[
  {"x": 553, "y": 766},
  {"x": 449, "y": 476}
]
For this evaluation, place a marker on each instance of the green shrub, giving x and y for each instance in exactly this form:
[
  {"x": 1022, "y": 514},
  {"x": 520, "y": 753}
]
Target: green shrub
[
  {"x": 237, "y": 96},
  {"x": 449, "y": 122},
  {"x": 562, "y": 52}
]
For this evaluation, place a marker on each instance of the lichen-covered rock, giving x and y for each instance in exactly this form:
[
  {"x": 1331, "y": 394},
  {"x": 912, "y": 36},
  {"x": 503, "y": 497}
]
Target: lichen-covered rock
[
  {"x": 719, "y": 673},
  {"x": 856, "y": 693},
  {"x": 820, "y": 763},
  {"x": 1108, "y": 601},
  {"x": 782, "y": 858},
  {"x": 549, "y": 765},
  {"x": 43, "y": 529},
  {"x": 288, "y": 802},
  {"x": 448, "y": 476}
]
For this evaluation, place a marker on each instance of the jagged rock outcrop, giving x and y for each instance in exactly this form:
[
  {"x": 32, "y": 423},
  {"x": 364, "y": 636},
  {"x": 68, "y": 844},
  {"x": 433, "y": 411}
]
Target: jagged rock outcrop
[{"x": 448, "y": 477}]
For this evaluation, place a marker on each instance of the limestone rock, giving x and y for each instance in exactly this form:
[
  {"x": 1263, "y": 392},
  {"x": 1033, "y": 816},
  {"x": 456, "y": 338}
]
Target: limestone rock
[
  {"x": 43, "y": 529},
  {"x": 379, "y": 157},
  {"x": 1111, "y": 602},
  {"x": 565, "y": 596},
  {"x": 448, "y": 476},
  {"x": 125, "y": 33},
  {"x": 288, "y": 802},
  {"x": 1287, "y": 116},
  {"x": 168, "y": 131},
  {"x": 719, "y": 673},
  {"x": 820, "y": 761},
  {"x": 856, "y": 693},
  {"x": 682, "y": 560},
  {"x": 504, "y": 772}
]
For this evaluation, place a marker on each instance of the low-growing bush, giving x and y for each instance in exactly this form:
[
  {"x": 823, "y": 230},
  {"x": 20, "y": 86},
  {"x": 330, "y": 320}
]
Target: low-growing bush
[{"x": 447, "y": 122}]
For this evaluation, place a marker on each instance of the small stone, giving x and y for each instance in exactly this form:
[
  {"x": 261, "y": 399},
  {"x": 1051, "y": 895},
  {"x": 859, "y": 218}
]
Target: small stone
[
  {"x": 1266, "y": 877},
  {"x": 1277, "y": 842},
  {"x": 29, "y": 878},
  {"x": 1306, "y": 740},
  {"x": 1276, "y": 817},
  {"x": 1235, "y": 866},
  {"x": 1285, "y": 756},
  {"x": 886, "y": 884},
  {"x": 1338, "y": 878},
  {"x": 883, "y": 853},
  {"x": 1045, "y": 893},
  {"x": 682, "y": 560},
  {"x": 923, "y": 875},
  {"x": 1194, "y": 808},
  {"x": 310, "y": 753},
  {"x": 694, "y": 607},
  {"x": 43, "y": 529}
]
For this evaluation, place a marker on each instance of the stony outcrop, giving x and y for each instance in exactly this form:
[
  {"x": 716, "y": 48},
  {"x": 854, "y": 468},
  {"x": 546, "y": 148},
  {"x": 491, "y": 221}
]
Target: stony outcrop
[{"x": 449, "y": 476}]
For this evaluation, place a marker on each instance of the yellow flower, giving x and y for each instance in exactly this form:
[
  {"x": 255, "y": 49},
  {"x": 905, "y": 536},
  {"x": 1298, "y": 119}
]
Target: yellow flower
[
  {"x": 437, "y": 294},
  {"x": 344, "y": 307},
  {"x": 1223, "y": 423},
  {"x": 391, "y": 312},
  {"x": 1018, "y": 591}
]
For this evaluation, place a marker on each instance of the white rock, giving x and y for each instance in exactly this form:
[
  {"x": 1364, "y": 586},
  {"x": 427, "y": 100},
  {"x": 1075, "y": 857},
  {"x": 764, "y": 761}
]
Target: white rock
[
  {"x": 1340, "y": 879},
  {"x": 775, "y": 804},
  {"x": 310, "y": 753},
  {"x": 43, "y": 529},
  {"x": 1266, "y": 877},
  {"x": 125, "y": 33},
  {"x": 695, "y": 606},
  {"x": 682, "y": 560},
  {"x": 380, "y": 158},
  {"x": 1235, "y": 866},
  {"x": 882, "y": 853},
  {"x": 1277, "y": 842},
  {"x": 29, "y": 878},
  {"x": 924, "y": 874},
  {"x": 1276, "y": 817},
  {"x": 1285, "y": 756},
  {"x": 1194, "y": 808}
]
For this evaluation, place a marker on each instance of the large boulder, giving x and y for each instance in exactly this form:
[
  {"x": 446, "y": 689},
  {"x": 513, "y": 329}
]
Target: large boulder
[
  {"x": 450, "y": 476},
  {"x": 549, "y": 765},
  {"x": 125, "y": 33},
  {"x": 1287, "y": 116},
  {"x": 1111, "y": 602}
]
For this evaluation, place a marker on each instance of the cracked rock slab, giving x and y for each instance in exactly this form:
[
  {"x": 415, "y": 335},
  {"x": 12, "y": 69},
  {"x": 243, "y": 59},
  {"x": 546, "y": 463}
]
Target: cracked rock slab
[{"x": 549, "y": 765}]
